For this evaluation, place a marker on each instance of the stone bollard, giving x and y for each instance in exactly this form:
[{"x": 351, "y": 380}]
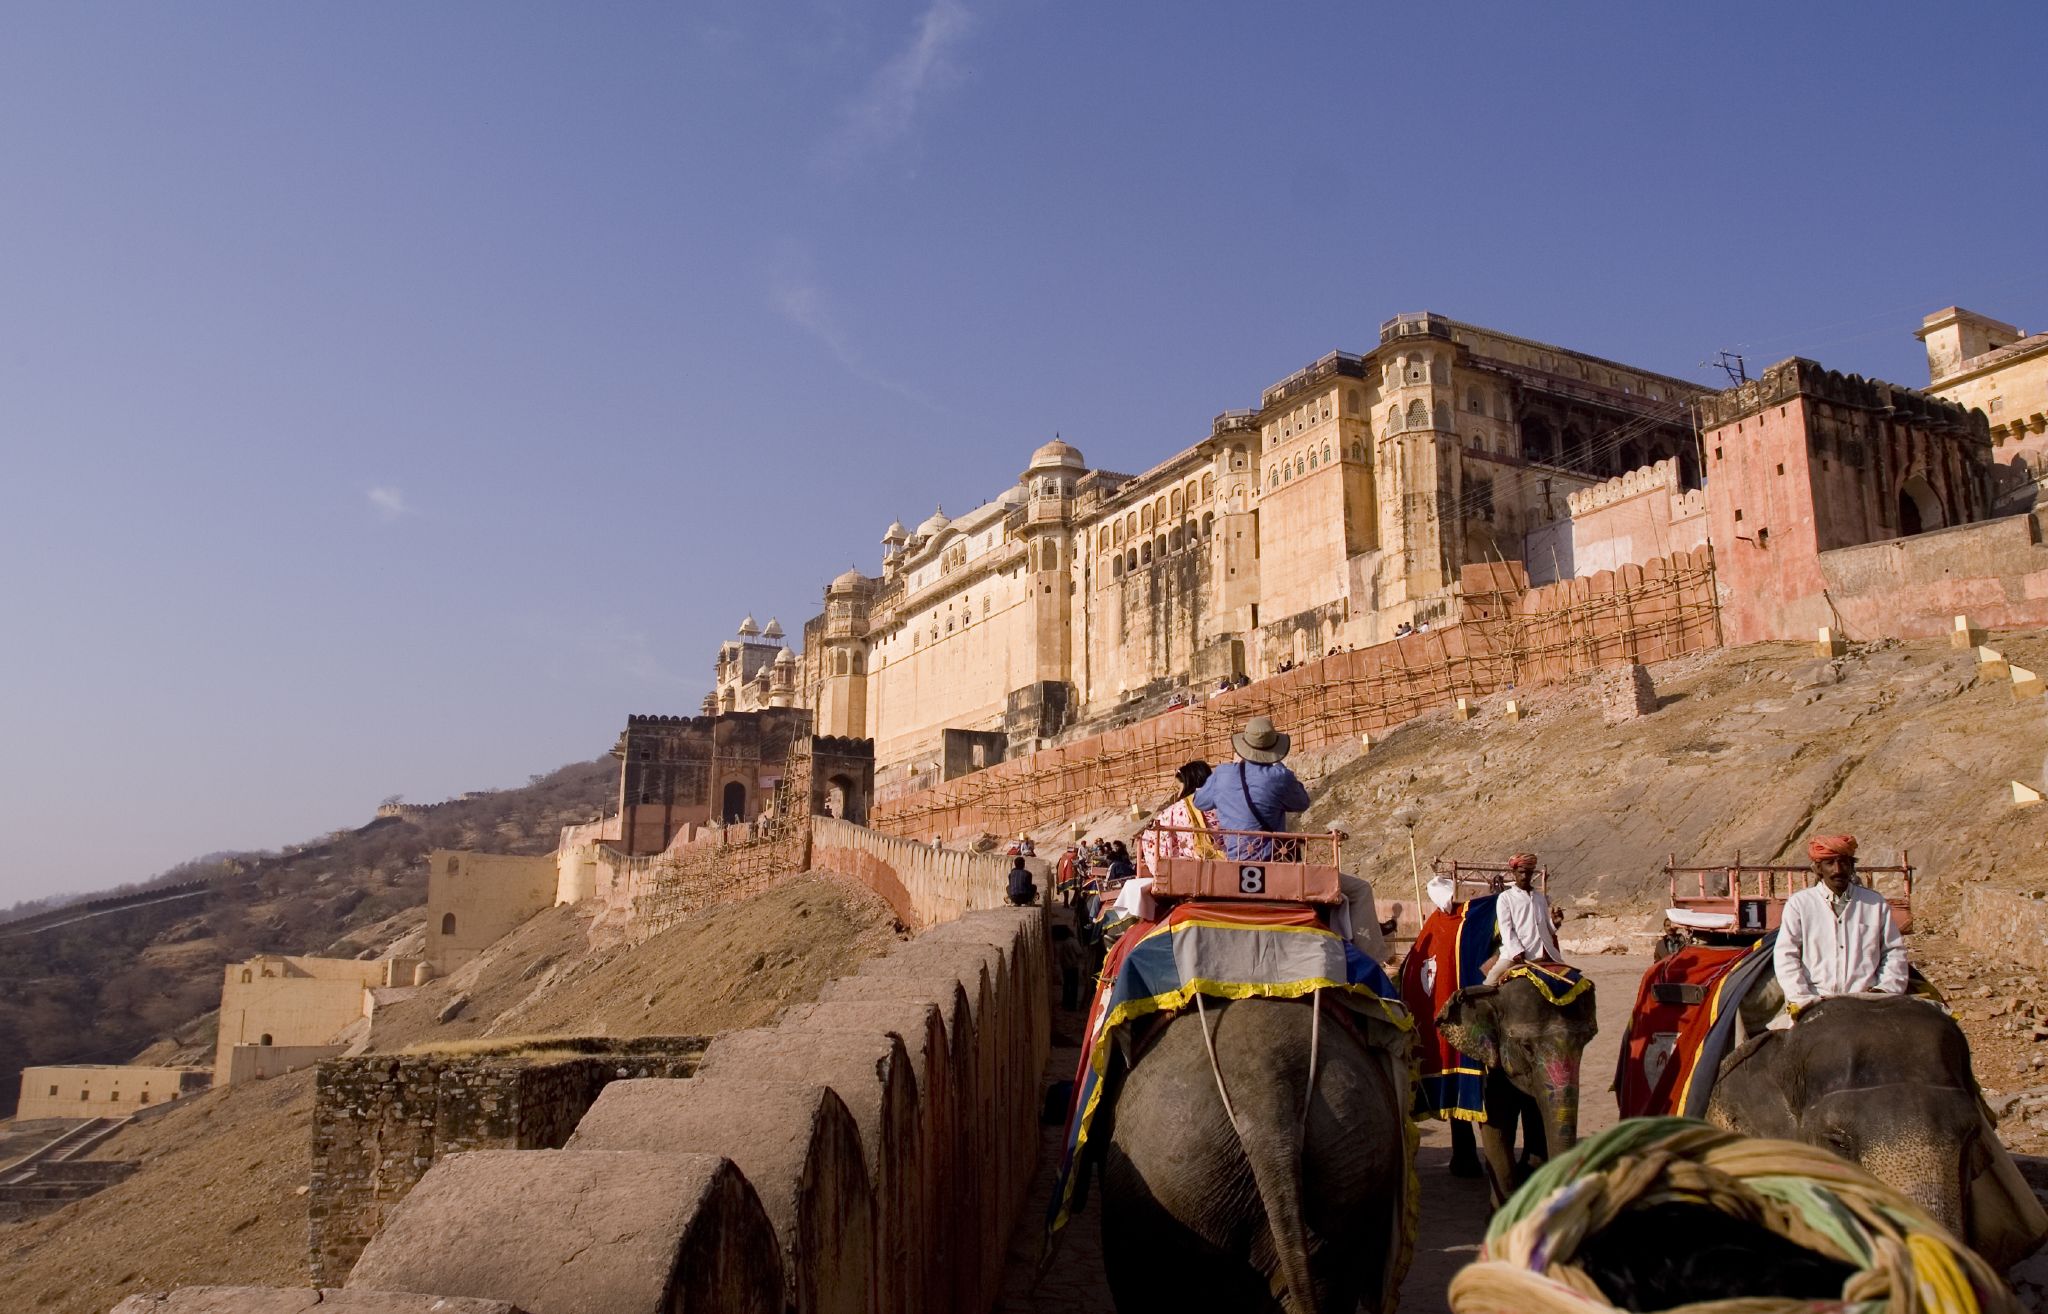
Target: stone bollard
[
  {"x": 1965, "y": 635},
  {"x": 2026, "y": 684},
  {"x": 1828, "y": 644},
  {"x": 1991, "y": 664}
]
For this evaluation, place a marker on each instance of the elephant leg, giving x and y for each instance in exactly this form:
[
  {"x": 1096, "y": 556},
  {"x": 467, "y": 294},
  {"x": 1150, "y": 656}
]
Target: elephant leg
[
  {"x": 1497, "y": 1137},
  {"x": 1535, "y": 1143},
  {"x": 1464, "y": 1150},
  {"x": 1154, "y": 1260}
]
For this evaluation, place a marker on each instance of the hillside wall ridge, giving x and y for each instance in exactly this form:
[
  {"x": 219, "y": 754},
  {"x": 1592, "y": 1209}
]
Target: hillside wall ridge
[
  {"x": 923, "y": 885},
  {"x": 1993, "y": 571}
]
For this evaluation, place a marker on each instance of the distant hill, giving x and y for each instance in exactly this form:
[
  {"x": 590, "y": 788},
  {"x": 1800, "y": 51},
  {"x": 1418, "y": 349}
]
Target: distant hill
[{"x": 98, "y": 978}]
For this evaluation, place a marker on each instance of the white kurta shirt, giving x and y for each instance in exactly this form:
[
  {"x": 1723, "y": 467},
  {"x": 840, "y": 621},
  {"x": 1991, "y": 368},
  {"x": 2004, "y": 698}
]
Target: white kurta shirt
[
  {"x": 1523, "y": 917},
  {"x": 1828, "y": 949}
]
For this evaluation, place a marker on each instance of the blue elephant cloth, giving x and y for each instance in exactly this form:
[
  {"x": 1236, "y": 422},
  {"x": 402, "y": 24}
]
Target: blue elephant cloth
[{"x": 1221, "y": 951}]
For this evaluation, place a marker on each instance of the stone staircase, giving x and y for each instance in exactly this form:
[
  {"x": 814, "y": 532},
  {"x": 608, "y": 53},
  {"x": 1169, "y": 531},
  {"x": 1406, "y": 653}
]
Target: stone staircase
[{"x": 59, "y": 1172}]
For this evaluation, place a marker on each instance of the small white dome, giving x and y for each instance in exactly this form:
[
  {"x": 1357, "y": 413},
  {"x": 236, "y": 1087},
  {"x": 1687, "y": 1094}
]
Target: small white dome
[
  {"x": 848, "y": 579},
  {"x": 748, "y": 628},
  {"x": 774, "y": 630},
  {"x": 894, "y": 533},
  {"x": 933, "y": 524},
  {"x": 785, "y": 658}
]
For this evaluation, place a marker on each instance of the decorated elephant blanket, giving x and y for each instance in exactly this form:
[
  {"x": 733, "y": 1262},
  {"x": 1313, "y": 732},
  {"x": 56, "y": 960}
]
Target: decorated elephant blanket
[
  {"x": 1450, "y": 955},
  {"x": 1220, "y": 951},
  {"x": 1683, "y": 1025}
]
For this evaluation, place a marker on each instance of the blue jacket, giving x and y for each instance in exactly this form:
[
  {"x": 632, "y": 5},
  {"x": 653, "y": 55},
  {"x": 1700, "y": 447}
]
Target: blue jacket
[{"x": 1275, "y": 791}]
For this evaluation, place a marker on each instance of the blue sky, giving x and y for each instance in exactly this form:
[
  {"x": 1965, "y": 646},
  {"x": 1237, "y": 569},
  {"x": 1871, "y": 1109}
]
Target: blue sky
[{"x": 395, "y": 397}]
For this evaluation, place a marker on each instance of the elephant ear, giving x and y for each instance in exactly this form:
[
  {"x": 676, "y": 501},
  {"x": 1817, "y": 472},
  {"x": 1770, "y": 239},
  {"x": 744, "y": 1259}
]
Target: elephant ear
[
  {"x": 1468, "y": 1020},
  {"x": 1757, "y": 1092}
]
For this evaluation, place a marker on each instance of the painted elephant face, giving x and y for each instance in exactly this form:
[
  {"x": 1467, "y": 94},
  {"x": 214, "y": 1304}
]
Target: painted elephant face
[{"x": 1536, "y": 1044}]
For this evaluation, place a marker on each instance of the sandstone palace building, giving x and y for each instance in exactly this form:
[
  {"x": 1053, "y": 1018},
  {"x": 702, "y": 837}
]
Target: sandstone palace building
[{"x": 1338, "y": 509}]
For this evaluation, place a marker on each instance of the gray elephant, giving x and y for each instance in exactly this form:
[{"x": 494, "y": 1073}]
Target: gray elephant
[
  {"x": 1885, "y": 1081},
  {"x": 1530, "y": 1049},
  {"x": 1279, "y": 1212}
]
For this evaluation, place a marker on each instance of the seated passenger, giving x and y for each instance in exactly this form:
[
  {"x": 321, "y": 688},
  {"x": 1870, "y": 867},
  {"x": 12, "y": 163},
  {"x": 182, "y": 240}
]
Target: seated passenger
[
  {"x": 1256, "y": 792},
  {"x": 1023, "y": 889},
  {"x": 1837, "y": 936},
  {"x": 1522, "y": 915}
]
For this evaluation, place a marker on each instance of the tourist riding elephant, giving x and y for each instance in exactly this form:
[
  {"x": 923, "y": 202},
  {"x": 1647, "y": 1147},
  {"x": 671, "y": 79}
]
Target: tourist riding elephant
[
  {"x": 1279, "y": 1211},
  {"x": 1884, "y": 1081},
  {"x": 1530, "y": 1050}
]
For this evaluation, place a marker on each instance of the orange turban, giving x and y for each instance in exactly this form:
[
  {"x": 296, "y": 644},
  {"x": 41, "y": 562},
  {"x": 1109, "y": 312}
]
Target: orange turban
[
  {"x": 1522, "y": 862},
  {"x": 1831, "y": 846}
]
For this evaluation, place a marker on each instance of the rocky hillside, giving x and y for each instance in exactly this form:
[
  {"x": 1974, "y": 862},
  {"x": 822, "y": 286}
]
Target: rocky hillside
[
  {"x": 220, "y": 1196},
  {"x": 101, "y": 988},
  {"x": 1751, "y": 750}
]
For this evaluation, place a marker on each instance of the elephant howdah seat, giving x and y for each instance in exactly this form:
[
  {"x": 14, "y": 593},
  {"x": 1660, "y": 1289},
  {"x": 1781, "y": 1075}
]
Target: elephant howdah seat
[
  {"x": 1734, "y": 903},
  {"x": 1260, "y": 866}
]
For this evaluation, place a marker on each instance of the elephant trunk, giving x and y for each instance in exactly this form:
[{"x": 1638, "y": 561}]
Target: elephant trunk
[{"x": 1558, "y": 1098}]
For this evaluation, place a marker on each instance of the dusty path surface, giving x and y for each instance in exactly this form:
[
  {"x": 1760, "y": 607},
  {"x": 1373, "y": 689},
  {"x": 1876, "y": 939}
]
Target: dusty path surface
[{"x": 1454, "y": 1211}]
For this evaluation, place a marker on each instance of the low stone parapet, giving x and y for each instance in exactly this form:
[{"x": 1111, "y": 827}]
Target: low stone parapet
[
  {"x": 570, "y": 1231},
  {"x": 304, "y": 1300}
]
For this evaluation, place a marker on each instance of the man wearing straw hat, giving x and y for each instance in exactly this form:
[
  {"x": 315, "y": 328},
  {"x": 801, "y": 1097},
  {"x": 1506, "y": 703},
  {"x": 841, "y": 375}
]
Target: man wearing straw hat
[{"x": 1257, "y": 792}]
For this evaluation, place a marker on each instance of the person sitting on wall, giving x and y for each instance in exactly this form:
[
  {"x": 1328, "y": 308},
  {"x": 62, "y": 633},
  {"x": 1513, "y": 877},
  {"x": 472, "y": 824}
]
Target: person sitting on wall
[
  {"x": 1837, "y": 936},
  {"x": 1023, "y": 890},
  {"x": 1256, "y": 792},
  {"x": 1522, "y": 916}
]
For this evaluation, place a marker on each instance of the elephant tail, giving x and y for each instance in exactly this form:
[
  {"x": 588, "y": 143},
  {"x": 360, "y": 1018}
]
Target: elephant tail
[{"x": 1274, "y": 1154}]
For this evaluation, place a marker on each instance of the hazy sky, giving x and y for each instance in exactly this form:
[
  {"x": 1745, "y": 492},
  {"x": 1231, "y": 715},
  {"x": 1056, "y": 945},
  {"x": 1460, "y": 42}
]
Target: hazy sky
[{"x": 394, "y": 397}]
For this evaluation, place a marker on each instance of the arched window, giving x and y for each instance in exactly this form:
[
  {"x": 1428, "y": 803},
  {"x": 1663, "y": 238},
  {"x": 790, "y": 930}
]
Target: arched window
[
  {"x": 1173, "y": 541},
  {"x": 1443, "y": 415},
  {"x": 1116, "y": 566},
  {"x": 447, "y": 923},
  {"x": 1208, "y": 524},
  {"x": 265, "y": 1039},
  {"x": 1145, "y": 552},
  {"x": 1119, "y": 532},
  {"x": 247, "y": 976},
  {"x": 1474, "y": 402},
  {"x": 1357, "y": 450},
  {"x": 1273, "y": 477},
  {"x": 1418, "y": 414},
  {"x": 1393, "y": 419},
  {"x": 1300, "y": 465},
  {"x": 1049, "y": 555},
  {"x": 1174, "y": 510},
  {"x": 1326, "y": 453},
  {"x": 1189, "y": 492},
  {"x": 1208, "y": 487},
  {"x": 1311, "y": 459},
  {"x": 1131, "y": 524},
  {"x": 986, "y": 604},
  {"x": 1131, "y": 559},
  {"x": 1145, "y": 518},
  {"x": 1159, "y": 511}
]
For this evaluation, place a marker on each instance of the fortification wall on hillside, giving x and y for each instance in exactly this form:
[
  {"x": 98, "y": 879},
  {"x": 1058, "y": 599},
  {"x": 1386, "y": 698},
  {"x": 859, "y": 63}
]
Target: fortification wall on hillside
[
  {"x": 1994, "y": 571},
  {"x": 1645, "y": 613},
  {"x": 923, "y": 884}
]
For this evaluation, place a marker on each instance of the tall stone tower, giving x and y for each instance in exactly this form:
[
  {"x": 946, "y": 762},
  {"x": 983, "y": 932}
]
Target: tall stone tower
[
  {"x": 1418, "y": 437},
  {"x": 1049, "y": 484},
  {"x": 843, "y": 687}
]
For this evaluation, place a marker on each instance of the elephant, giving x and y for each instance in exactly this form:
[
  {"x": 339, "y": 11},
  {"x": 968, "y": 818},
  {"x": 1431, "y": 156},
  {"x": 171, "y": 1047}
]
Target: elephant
[
  {"x": 1884, "y": 1081},
  {"x": 1279, "y": 1211},
  {"x": 1530, "y": 1050}
]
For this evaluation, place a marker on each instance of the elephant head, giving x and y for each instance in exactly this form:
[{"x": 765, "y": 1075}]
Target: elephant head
[
  {"x": 1514, "y": 1030},
  {"x": 1885, "y": 1083}
]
